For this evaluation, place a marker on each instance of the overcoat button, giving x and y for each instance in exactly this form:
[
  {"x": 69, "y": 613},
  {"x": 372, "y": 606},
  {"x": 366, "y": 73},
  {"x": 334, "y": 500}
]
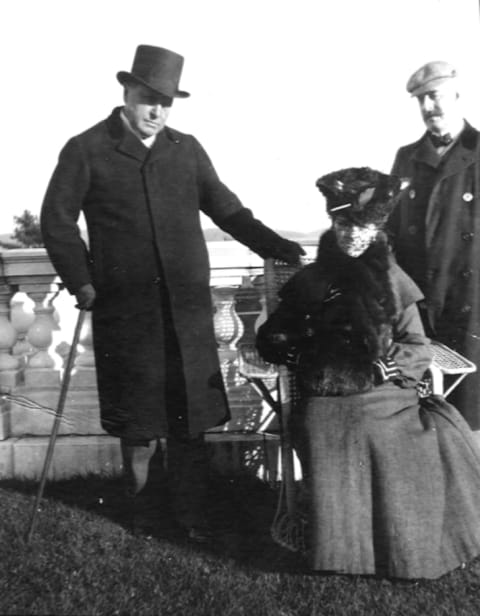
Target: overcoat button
[
  {"x": 467, "y": 273},
  {"x": 412, "y": 229},
  {"x": 467, "y": 236},
  {"x": 465, "y": 308},
  {"x": 468, "y": 197},
  {"x": 412, "y": 194}
]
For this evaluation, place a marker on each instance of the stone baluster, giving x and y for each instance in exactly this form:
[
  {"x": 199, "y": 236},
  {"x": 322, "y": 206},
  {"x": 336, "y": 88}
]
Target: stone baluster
[
  {"x": 85, "y": 361},
  {"x": 9, "y": 364},
  {"x": 247, "y": 307},
  {"x": 82, "y": 397},
  {"x": 22, "y": 317},
  {"x": 40, "y": 370},
  {"x": 228, "y": 329},
  {"x": 227, "y": 324}
]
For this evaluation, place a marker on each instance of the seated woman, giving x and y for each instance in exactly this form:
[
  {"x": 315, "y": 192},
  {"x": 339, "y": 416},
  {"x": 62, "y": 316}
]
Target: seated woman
[{"x": 393, "y": 480}]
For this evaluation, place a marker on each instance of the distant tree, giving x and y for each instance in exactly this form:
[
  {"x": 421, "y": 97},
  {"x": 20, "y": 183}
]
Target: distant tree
[{"x": 27, "y": 230}]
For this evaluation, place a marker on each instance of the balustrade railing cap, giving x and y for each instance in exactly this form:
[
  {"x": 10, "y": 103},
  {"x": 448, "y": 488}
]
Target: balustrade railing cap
[{"x": 22, "y": 264}]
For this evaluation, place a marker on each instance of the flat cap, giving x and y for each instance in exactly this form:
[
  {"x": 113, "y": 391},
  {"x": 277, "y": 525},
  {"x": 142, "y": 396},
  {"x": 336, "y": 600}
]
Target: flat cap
[{"x": 429, "y": 76}]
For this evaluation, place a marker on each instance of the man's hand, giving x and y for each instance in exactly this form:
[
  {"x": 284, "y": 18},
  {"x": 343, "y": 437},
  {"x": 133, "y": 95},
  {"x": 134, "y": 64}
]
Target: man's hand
[
  {"x": 85, "y": 297},
  {"x": 288, "y": 251}
]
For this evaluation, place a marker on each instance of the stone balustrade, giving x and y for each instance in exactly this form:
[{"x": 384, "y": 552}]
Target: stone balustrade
[{"x": 37, "y": 320}]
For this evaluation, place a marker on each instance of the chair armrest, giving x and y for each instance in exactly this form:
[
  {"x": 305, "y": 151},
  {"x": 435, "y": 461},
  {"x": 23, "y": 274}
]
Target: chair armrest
[{"x": 446, "y": 361}]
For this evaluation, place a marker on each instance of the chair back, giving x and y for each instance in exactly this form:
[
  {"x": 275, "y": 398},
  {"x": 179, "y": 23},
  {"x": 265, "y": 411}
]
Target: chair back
[{"x": 276, "y": 274}]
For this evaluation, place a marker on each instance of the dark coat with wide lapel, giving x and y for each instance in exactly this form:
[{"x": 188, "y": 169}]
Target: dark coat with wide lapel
[
  {"x": 442, "y": 250},
  {"x": 152, "y": 321}
]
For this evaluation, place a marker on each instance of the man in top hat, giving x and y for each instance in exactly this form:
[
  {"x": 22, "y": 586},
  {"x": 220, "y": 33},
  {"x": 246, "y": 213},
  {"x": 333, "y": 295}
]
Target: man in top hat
[
  {"x": 141, "y": 186},
  {"x": 436, "y": 226}
]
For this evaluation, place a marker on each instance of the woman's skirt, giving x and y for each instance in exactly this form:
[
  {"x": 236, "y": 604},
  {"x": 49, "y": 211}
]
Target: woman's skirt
[{"x": 393, "y": 484}]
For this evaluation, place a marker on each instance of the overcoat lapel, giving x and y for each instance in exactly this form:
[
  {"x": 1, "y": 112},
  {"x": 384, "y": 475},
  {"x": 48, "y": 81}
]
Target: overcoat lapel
[
  {"x": 426, "y": 153},
  {"x": 126, "y": 142},
  {"x": 461, "y": 156},
  {"x": 162, "y": 148},
  {"x": 132, "y": 146}
]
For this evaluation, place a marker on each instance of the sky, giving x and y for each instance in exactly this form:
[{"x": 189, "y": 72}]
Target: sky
[{"x": 282, "y": 91}]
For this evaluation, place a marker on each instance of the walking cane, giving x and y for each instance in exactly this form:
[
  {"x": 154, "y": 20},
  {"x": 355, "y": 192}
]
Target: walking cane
[{"x": 58, "y": 417}]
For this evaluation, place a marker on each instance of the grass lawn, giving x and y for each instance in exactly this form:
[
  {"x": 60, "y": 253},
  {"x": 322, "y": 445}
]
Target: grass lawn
[{"x": 83, "y": 560}]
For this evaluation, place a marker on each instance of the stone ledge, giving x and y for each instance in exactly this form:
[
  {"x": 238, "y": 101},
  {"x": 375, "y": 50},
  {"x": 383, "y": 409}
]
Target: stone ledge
[
  {"x": 80, "y": 416},
  {"x": 231, "y": 453},
  {"x": 6, "y": 458},
  {"x": 72, "y": 456}
]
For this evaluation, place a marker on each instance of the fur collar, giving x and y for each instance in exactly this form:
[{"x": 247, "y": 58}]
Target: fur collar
[
  {"x": 365, "y": 276},
  {"x": 353, "y": 325}
]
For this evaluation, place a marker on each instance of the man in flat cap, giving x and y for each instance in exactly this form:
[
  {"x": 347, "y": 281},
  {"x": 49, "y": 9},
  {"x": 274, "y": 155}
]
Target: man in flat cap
[
  {"x": 435, "y": 228},
  {"x": 141, "y": 186}
]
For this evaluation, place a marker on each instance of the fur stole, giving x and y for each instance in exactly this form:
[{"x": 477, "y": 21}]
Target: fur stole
[{"x": 352, "y": 325}]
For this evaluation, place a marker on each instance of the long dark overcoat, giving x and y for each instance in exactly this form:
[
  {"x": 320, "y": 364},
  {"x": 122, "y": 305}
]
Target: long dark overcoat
[
  {"x": 147, "y": 259},
  {"x": 436, "y": 233}
]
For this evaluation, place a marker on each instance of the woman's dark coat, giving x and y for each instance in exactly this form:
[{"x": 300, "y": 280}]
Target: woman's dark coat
[
  {"x": 147, "y": 259},
  {"x": 436, "y": 235},
  {"x": 332, "y": 311}
]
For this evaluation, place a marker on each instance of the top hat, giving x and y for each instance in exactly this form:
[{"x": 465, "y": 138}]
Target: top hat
[
  {"x": 157, "y": 68},
  {"x": 430, "y": 76},
  {"x": 360, "y": 195}
]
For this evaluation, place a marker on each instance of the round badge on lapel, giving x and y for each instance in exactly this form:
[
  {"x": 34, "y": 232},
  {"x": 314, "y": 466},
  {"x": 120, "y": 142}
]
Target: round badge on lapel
[
  {"x": 467, "y": 197},
  {"x": 412, "y": 194}
]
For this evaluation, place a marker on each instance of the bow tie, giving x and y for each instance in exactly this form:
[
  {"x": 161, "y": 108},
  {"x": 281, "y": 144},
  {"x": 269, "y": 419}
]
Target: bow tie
[{"x": 440, "y": 141}]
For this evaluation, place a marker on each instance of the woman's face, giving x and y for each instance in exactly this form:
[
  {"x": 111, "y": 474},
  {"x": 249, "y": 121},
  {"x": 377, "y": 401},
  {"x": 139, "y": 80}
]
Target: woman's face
[{"x": 353, "y": 240}]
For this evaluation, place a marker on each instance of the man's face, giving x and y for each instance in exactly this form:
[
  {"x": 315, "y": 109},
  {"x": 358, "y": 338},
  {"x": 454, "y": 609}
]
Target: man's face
[
  {"x": 439, "y": 108},
  {"x": 146, "y": 110},
  {"x": 353, "y": 240}
]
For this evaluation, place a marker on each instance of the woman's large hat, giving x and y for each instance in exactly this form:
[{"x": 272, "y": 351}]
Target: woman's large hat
[
  {"x": 157, "y": 68},
  {"x": 360, "y": 195}
]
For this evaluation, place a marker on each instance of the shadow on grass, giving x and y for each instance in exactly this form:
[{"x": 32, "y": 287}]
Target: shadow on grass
[{"x": 240, "y": 510}]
